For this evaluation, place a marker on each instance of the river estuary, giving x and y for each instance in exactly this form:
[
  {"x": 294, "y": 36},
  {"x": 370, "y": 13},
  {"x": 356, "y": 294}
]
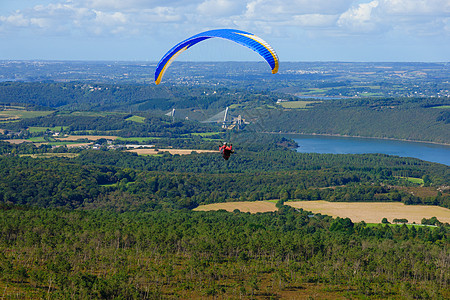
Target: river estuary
[{"x": 350, "y": 145}]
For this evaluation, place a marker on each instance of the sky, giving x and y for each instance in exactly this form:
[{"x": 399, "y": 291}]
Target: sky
[{"x": 298, "y": 30}]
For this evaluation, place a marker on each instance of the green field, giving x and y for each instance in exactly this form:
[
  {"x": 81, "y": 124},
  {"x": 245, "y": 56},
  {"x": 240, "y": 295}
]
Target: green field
[
  {"x": 89, "y": 113},
  {"x": 138, "y": 139},
  {"x": 442, "y": 106},
  {"x": 22, "y": 114},
  {"x": 137, "y": 119},
  {"x": 205, "y": 134},
  {"x": 297, "y": 104},
  {"x": 37, "y": 139},
  {"x": 414, "y": 180},
  {"x": 35, "y": 129}
]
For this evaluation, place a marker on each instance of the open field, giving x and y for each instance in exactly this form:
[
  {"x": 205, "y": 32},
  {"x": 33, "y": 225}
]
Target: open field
[
  {"x": 374, "y": 212},
  {"x": 34, "y": 129},
  {"x": 243, "y": 206},
  {"x": 13, "y": 114},
  {"x": 137, "y": 119},
  {"x": 49, "y": 155},
  {"x": 296, "y": 104},
  {"x": 369, "y": 212},
  {"x": 441, "y": 106},
  {"x": 89, "y": 137},
  {"x": 17, "y": 141},
  {"x": 171, "y": 151}
]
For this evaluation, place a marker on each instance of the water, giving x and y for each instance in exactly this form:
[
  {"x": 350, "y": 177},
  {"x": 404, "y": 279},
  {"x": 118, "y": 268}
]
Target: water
[{"x": 345, "y": 145}]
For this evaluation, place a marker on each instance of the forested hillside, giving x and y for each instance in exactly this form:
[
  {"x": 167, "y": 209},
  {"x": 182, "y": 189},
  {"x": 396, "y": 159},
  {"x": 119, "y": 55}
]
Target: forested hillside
[
  {"x": 420, "y": 119},
  {"x": 410, "y": 119}
]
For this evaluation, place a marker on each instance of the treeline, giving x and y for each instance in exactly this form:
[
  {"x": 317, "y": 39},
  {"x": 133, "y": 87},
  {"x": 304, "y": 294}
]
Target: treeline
[
  {"x": 112, "y": 124},
  {"x": 383, "y": 168},
  {"x": 125, "y": 97},
  {"x": 124, "y": 181},
  {"x": 410, "y": 119},
  {"x": 103, "y": 255}
]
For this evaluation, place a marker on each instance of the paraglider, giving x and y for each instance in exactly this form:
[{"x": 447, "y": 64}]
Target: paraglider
[
  {"x": 226, "y": 150},
  {"x": 241, "y": 37},
  {"x": 244, "y": 38}
]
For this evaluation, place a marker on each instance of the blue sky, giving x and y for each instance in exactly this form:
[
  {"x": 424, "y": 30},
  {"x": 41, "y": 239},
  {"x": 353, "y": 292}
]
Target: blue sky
[{"x": 299, "y": 30}]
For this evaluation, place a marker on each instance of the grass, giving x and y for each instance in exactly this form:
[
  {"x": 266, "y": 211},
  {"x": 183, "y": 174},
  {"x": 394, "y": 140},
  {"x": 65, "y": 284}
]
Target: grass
[
  {"x": 413, "y": 179},
  {"x": 37, "y": 139},
  {"x": 35, "y": 129},
  {"x": 441, "y": 106},
  {"x": 138, "y": 139},
  {"x": 204, "y": 134},
  {"x": 137, "y": 119},
  {"x": 22, "y": 114},
  {"x": 297, "y": 104},
  {"x": 90, "y": 113}
]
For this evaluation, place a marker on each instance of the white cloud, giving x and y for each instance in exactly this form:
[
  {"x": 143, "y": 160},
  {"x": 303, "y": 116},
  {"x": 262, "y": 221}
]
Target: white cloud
[
  {"x": 314, "y": 20},
  {"x": 16, "y": 20},
  {"x": 360, "y": 18},
  {"x": 415, "y": 7},
  {"x": 219, "y": 8},
  {"x": 134, "y": 16},
  {"x": 178, "y": 18}
]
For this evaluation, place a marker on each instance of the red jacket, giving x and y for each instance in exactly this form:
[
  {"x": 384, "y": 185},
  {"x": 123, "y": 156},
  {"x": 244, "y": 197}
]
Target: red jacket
[{"x": 224, "y": 147}]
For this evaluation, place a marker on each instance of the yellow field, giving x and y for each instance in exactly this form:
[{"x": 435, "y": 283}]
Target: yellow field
[
  {"x": 46, "y": 155},
  {"x": 16, "y": 141},
  {"x": 148, "y": 151},
  {"x": 369, "y": 212},
  {"x": 252, "y": 207},
  {"x": 374, "y": 212}
]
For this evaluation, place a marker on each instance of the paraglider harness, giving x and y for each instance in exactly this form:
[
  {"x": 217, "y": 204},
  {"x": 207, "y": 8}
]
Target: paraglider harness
[{"x": 226, "y": 150}]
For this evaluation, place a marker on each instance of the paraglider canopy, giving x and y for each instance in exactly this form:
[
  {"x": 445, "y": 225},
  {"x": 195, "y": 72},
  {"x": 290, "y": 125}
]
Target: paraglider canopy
[{"x": 241, "y": 37}]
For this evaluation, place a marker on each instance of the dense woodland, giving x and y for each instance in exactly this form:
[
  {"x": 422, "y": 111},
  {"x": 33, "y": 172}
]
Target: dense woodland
[{"x": 103, "y": 255}]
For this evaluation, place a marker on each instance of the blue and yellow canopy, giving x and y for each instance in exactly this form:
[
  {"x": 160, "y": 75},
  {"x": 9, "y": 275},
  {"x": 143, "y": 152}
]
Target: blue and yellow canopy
[{"x": 241, "y": 37}]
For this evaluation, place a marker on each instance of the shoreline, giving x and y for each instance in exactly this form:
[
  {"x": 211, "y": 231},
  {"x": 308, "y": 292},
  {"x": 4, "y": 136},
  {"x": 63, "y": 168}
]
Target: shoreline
[{"x": 361, "y": 137}]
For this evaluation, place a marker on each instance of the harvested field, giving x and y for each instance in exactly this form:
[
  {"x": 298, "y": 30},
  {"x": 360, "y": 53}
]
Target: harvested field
[
  {"x": 17, "y": 141},
  {"x": 244, "y": 206},
  {"x": 374, "y": 212},
  {"x": 369, "y": 212},
  {"x": 47, "y": 155},
  {"x": 171, "y": 151}
]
